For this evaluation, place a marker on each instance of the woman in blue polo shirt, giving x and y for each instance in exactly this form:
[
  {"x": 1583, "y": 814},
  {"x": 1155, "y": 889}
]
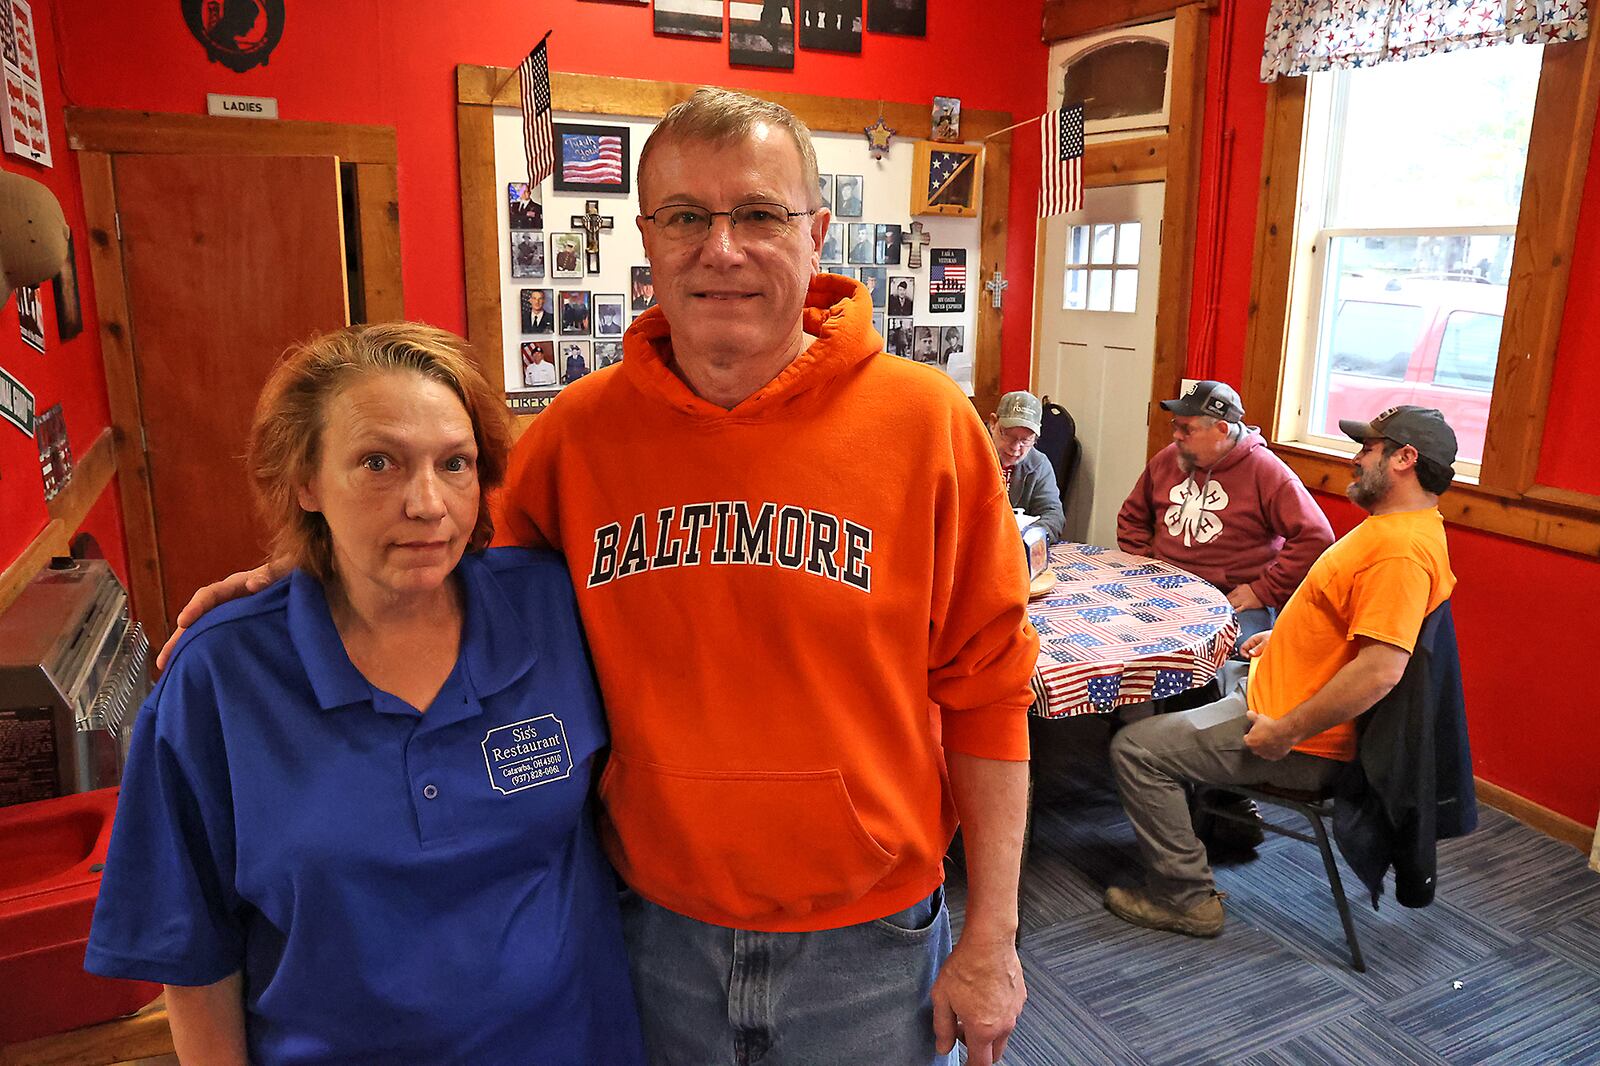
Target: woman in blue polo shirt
[{"x": 355, "y": 823}]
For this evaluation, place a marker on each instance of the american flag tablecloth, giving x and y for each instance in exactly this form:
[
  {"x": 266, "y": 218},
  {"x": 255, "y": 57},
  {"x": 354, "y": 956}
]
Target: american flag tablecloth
[{"x": 1120, "y": 629}]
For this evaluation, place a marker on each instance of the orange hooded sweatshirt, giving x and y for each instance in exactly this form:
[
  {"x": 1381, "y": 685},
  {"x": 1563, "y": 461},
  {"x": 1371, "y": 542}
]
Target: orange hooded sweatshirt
[{"x": 774, "y": 596}]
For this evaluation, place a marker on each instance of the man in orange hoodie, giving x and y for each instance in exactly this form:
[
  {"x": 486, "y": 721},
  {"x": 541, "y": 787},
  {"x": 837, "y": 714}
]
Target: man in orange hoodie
[{"x": 771, "y": 616}]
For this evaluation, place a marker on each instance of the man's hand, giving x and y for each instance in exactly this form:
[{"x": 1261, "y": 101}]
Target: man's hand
[
  {"x": 1244, "y": 598},
  {"x": 1255, "y": 645},
  {"x": 977, "y": 997},
  {"x": 1270, "y": 738},
  {"x": 215, "y": 595}
]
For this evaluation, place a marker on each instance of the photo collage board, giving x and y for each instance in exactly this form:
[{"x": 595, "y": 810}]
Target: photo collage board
[{"x": 564, "y": 307}]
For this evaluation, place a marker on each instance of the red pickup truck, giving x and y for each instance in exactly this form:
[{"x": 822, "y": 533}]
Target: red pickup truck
[{"x": 1431, "y": 340}]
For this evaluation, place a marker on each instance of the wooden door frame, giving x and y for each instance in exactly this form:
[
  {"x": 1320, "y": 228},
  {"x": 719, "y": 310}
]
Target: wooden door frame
[
  {"x": 479, "y": 90},
  {"x": 98, "y": 136},
  {"x": 1172, "y": 157}
]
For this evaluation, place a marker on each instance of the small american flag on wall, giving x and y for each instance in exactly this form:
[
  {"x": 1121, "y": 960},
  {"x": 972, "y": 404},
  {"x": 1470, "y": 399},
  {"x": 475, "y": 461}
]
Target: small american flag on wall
[
  {"x": 1061, "y": 179},
  {"x": 538, "y": 132}
]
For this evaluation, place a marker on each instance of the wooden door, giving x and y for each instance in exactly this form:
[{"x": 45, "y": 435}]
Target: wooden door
[{"x": 227, "y": 261}]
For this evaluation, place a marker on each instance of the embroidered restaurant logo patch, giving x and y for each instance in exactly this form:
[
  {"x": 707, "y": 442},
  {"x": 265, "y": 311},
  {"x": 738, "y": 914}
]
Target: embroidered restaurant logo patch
[{"x": 527, "y": 753}]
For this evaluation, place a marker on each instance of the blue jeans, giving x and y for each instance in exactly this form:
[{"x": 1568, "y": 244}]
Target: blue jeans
[
  {"x": 1252, "y": 622},
  {"x": 712, "y": 996}
]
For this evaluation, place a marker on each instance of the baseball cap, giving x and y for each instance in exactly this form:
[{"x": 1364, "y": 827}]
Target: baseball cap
[
  {"x": 1212, "y": 398},
  {"x": 1424, "y": 428},
  {"x": 1020, "y": 409}
]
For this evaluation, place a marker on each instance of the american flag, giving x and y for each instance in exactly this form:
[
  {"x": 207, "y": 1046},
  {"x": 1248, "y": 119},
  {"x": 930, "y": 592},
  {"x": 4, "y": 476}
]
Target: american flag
[
  {"x": 1061, "y": 180},
  {"x": 538, "y": 133},
  {"x": 590, "y": 160},
  {"x": 947, "y": 277}
]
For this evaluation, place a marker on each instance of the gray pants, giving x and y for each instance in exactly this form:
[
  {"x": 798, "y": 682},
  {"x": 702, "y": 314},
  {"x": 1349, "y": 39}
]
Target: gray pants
[{"x": 1153, "y": 760}]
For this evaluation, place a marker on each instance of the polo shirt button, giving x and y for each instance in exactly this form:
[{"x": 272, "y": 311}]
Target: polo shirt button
[{"x": 430, "y": 791}]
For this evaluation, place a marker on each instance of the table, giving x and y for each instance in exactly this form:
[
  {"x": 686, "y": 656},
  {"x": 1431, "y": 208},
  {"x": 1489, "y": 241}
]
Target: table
[{"x": 1119, "y": 629}]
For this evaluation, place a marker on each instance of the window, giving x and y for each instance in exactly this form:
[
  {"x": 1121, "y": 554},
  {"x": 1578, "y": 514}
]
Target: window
[
  {"x": 1102, "y": 268},
  {"x": 1411, "y": 184}
]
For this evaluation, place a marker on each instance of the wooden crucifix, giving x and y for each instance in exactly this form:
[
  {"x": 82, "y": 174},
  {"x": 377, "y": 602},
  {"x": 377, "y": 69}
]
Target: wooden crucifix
[
  {"x": 915, "y": 240},
  {"x": 593, "y": 223}
]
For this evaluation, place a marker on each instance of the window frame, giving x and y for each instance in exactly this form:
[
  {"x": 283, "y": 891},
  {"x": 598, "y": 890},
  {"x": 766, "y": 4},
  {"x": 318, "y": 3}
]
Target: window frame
[{"x": 1508, "y": 498}]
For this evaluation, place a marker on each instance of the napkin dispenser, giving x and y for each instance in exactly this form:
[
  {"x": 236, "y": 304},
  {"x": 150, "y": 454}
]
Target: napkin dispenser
[{"x": 1036, "y": 545}]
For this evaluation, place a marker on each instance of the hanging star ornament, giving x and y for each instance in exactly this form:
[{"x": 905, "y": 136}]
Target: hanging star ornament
[{"x": 878, "y": 137}]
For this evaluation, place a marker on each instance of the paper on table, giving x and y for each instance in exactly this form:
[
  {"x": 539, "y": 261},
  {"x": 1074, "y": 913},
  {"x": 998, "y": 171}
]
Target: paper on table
[{"x": 1023, "y": 520}]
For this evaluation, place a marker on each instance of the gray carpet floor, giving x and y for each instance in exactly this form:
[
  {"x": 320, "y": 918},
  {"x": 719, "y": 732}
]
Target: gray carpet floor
[{"x": 1504, "y": 967}]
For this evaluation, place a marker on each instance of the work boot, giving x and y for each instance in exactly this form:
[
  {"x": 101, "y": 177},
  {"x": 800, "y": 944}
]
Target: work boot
[
  {"x": 1139, "y": 907},
  {"x": 1228, "y": 834}
]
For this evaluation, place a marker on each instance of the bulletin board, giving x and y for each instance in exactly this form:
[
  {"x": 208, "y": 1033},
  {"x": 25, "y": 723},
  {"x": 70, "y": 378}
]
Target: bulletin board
[{"x": 964, "y": 342}]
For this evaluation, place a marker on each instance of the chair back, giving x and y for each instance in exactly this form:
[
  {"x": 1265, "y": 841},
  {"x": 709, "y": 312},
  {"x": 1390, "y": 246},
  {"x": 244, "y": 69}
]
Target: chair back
[{"x": 1058, "y": 441}]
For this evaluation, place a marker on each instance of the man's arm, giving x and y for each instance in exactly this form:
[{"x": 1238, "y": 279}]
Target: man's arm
[
  {"x": 1136, "y": 530},
  {"x": 208, "y": 1022},
  {"x": 980, "y": 990},
  {"x": 1293, "y": 515},
  {"x": 1351, "y": 692},
  {"x": 1044, "y": 499}
]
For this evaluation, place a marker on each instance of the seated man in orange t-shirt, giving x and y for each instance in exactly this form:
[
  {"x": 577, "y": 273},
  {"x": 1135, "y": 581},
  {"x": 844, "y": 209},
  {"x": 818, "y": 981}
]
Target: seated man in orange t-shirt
[{"x": 1341, "y": 643}]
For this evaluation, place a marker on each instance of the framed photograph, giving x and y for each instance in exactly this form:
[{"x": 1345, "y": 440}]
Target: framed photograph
[
  {"x": 566, "y": 255},
  {"x": 946, "y": 118},
  {"x": 538, "y": 364},
  {"x": 845, "y": 272},
  {"x": 55, "y": 453},
  {"x": 575, "y": 313},
  {"x": 644, "y": 289},
  {"x": 30, "y": 320},
  {"x": 69, "y": 303},
  {"x": 527, "y": 254},
  {"x": 591, "y": 159},
  {"x": 538, "y": 315},
  {"x": 944, "y": 179},
  {"x": 902, "y": 295},
  {"x": 898, "y": 339},
  {"x": 607, "y": 353},
  {"x": 609, "y": 319},
  {"x": 825, "y": 190},
  {"x": 887, "y": 246},
  {"x": 925, "y": 344},
  {"x": 908, "y": 18},
  {"x": 847, "y": 192},
  {"x": 833, "y": 244},
  {"x": 690, "y": 18},
  {"x": 952, "y": 342},
  {"x": 831, "y": 25},
  {"x": 762, "y": 35},
  {"x": 574, "y": 360},
  {"x": 861, "y": 247},
  {"x": 525, "y": 211},
  {"x": 876, "y": 279},
  {"x": 879, "y": 322}
]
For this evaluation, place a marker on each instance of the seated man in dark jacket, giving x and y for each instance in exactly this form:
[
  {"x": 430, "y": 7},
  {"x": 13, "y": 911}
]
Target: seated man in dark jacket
[
  {"x": 1341, "y": 644},
  {"x": 1030, "y": 480}
]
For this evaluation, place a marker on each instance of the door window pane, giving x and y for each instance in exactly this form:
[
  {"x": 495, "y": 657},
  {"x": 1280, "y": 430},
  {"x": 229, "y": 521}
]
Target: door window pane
[
  {"x": 1076, "y": 294},
  {"x": 1125, "y": 291},
  {"x": 1128, "y": 244},
  {"x": 1105, "y": 241},
  {"x": 1100, "y": 290},
  {"x": 1078, "y": 244}
]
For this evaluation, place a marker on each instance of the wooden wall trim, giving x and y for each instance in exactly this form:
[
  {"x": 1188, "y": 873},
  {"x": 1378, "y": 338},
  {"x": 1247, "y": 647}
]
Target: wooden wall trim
[
  {"x": 1065, "y": 19},
  {"x": 1541, "y": 264},
  {"x": 480, "y": 88},
  {"x": 1179, "y": 215},
  {"x": 378, "y": 220},
  {"x": 90, "y": 476},
  {"x": 1550, "y": 823},
  {"x": 1133, "y": 161},
  {"x": 157, "y": 133},
  {"x": 140, "y": 1036}
]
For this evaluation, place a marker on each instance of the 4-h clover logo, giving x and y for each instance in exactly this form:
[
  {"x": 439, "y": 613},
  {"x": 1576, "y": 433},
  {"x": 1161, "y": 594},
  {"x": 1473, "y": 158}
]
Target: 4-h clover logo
[{"x": 1192, "y": 514}]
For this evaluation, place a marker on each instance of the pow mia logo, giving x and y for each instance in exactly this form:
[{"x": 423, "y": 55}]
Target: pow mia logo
[{"x": 239, "y": 34}]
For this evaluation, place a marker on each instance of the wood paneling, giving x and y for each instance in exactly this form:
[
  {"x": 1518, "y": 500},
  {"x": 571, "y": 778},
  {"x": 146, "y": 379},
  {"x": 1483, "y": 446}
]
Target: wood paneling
[
  {"x": 158, "y": 133},
  {"x": 1065, "y": 19},
  {"x": 378, "y": 223},
  {"x": 90, "y": 476},
  {"x": 143, "y": 1035},
  {"x": 1546, "y": 821},
  {"x": 1547, "y": 227},
  {"x": 1130, "y": 162},
  {"x": 477, "y": 87},
  {"x": 1179, "y": 210}
]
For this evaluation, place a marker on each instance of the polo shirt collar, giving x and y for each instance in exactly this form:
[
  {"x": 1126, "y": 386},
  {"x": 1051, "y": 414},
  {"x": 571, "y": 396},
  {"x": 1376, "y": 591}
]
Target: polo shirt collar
[{"x": 497, "y": 648}]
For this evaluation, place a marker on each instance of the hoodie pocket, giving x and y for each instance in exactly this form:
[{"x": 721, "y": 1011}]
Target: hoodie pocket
[{"x": 740, "y": 847}]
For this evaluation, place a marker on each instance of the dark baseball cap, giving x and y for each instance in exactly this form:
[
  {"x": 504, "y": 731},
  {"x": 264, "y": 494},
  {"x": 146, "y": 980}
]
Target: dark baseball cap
[
  {"x": 1424, "y": 428},
  {"x": 1212, "y": 398}
]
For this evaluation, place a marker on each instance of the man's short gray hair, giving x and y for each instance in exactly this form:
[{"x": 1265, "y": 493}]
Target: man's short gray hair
[{"x": 722, "y": 116}]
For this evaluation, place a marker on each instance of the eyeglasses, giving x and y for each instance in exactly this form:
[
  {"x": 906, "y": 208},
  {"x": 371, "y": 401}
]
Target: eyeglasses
[{"x": 756, "y": 221}]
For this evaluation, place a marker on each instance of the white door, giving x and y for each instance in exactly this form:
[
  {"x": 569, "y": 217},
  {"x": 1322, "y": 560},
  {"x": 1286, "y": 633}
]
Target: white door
[{"x": 1095, "y": 338}]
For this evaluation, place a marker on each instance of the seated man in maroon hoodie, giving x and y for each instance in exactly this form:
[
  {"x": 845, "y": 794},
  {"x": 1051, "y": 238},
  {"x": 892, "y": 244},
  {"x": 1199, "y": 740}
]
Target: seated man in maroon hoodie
[{"x": 1218, "y": 503}]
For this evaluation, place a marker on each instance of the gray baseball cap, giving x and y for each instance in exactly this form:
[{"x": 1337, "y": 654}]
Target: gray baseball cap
[
  {"x": 1214, "y": 398},
  {"x": 1020, "y": 409},
  {"x": 1424, "y": 428}
]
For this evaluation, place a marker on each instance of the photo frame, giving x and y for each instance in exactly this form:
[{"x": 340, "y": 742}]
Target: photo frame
[
  {"x": 537, "y": 312},
  {"x": 607, "y": 353},
  {"x": 644, "y": 288},
  {"x": 591, "y": 159},
  {"x": 69, "y": 302},
  {"x": 566, "y": 255},
  {"x": 886, "y": 245},
  {"x": 876, "y": 279},
  {"x": 831, "y": 25},
  {"x": 848, "y": 195},
  {"x": 523, "y": 211},
  {"x": 859, "y": 242},
  {"x": 825, "y": 190},
  {"x": 898, "y": 339},
  {"x": 572, "y": 360},
  {"x": 945, "y": 179},
  {"x": 833, "y": 244},
  {"x": 576, "y": 314},
  {"x": 538, "y": 364},
  {"x": 902, "y": 295},
  {"x": 527, "y": 254},
  {"x": 610, "y": 314}
]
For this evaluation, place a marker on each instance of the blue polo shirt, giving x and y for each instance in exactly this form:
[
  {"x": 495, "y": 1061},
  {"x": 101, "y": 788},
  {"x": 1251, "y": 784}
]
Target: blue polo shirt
[{"x": 396, "y": 887}]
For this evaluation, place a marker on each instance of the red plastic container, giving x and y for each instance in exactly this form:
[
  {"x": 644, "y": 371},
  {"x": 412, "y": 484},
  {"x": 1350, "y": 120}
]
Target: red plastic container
[{"x": 50, "y": 859}]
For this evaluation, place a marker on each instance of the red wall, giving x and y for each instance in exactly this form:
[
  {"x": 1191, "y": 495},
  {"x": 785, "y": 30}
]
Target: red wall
[
  {"x": 393, "y": 63},
  {"x": 69, "y": 373},
  {"x": 1524, "y": 614}
]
